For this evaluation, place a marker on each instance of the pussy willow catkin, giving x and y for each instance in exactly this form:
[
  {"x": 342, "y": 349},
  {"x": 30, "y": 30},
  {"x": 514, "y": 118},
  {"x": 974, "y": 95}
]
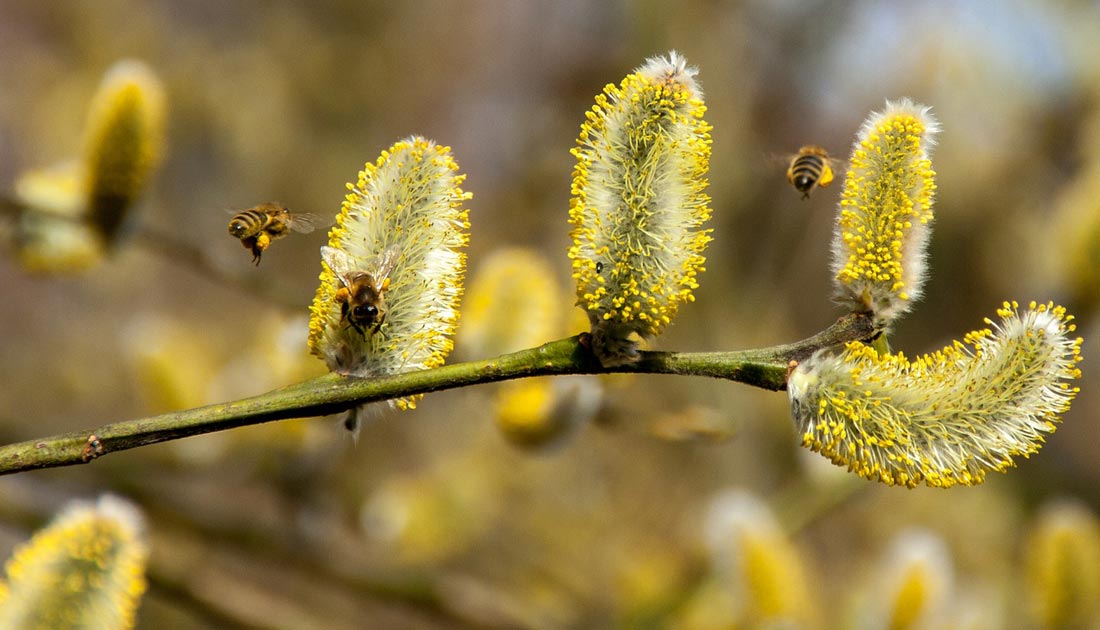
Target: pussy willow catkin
[
  {"x": 885, "y": 213},
  {"x": 409, "y": 203},
  {"x": 944, "y": 418},
  {"x": 639, "y": 205}
]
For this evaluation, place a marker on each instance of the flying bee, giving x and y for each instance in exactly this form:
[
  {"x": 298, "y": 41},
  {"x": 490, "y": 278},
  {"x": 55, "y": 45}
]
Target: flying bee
[
  {"x": 810, "y": 168},
  {"x": 360, "y": 295},
  {"x": 259, "y": 225}
]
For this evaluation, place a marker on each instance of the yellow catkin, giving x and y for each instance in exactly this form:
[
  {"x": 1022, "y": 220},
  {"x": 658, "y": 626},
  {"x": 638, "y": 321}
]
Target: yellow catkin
[
  {"x": 514, "y": 301},
  {"x": 639, "y": 204},
  {"x": 948, "y": 417},
  {"x": 885, "y": 215},
  {"x": 755, "y": 561},
  {"x": 912, "y": 588},
  {"x": 84, "y": 570},
  {"x": 1062, "y": 567},
  {"x": 409, "y": 201},
  {"x": 76, "y": 209},
  {"x": 124, "y": 143}
]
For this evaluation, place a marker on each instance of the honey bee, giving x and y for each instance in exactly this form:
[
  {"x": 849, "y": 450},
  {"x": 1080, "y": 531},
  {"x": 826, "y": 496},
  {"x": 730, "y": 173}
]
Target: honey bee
[
  {"x": 259, "y": 225},
  {"x": 809, "y": 168},
  {"x": 360, "y": 297}
]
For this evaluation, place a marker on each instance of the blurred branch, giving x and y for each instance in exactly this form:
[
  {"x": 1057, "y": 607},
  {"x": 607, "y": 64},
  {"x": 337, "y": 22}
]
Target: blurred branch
[
  {"x": 765, "y": 368},
  {"x": 187, "y": 255},
  {"x": 177, "y": 251}
]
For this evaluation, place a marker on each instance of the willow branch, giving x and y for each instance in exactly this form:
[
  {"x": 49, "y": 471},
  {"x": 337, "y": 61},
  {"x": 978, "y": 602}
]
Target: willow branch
[
  {"x": 765, "y": 368},
  {"x": 168, "y": 246},
  {"x": 181, "y": 253}
]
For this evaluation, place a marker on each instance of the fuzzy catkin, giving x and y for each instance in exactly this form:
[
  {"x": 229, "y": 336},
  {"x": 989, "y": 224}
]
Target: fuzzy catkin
[
  {"x": 86, "y": 569},
  {"x": 639, "y": 205},
  {"x": 884, "y": 222},
  {"x": 124, "y": 143},
  {"x": 944, "y": 418},
  {"x": 410, "y": 199}
]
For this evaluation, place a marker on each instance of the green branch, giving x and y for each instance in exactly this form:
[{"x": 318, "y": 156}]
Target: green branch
[{"x": 765, "y": 368}]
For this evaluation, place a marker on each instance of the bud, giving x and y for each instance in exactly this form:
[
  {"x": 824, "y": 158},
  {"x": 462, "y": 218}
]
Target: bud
[
  {"x": 84, "y": 570},
  {"x": 639, "y": 204},
  {"x": 886, "y": 213},
  {"x": 405, "y": 213},
  {"x": 945, "y": 418},
  {"x": 123, "y": 144}
]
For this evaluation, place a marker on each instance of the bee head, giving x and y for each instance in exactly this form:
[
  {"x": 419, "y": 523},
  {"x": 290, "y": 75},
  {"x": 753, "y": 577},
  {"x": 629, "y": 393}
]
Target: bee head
[
  {"x": 364, "y": 313},
  {"x": 803, "y": 183}
]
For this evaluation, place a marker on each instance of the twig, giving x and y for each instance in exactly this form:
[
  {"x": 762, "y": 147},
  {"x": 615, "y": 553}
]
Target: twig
[
  {"x": 765, "y": 368},
  {"x": 170, "y": 247},
  {"x": 184, "y": 254}
]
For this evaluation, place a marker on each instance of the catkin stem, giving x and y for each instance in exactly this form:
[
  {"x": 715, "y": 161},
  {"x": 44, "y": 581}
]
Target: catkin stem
[{"x": 765, "y": 368}]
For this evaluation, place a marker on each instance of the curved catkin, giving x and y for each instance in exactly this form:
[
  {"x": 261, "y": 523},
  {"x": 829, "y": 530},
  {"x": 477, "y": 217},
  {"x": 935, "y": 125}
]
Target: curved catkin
[
  {"x": 85, "y": 570},
  {"x": 945, "y": 418},
  {"x": 639, "y": 205},
  {"x": 124, "y": 141},
  {"x": 885, "y": 216},
  {"x": 409, "y": 201}
]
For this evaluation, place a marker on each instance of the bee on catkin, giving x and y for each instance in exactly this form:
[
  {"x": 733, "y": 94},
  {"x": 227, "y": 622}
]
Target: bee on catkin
[{"x": 362, "y": 304}]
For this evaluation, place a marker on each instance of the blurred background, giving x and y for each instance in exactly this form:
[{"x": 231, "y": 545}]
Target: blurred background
[{"x": 583, "y": 503}]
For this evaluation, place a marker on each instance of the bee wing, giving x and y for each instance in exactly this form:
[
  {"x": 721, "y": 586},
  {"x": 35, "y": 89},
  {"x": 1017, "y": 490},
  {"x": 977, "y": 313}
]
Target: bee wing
[
  {"x": 339, "y": 262},
  {"x": 777, "y": 159},
  {"x": 305, "y": 222},
  {"x": 385, "y": 262}
]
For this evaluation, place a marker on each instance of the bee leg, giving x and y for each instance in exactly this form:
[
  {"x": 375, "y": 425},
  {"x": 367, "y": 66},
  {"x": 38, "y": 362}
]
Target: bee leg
[
  {"x": 351, "y": 421},
  {"x": 262, "y": 241},
  {"x": 378, "y": 323}
]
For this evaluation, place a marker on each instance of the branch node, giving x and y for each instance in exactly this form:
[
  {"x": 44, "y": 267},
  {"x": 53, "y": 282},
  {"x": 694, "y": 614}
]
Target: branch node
[{"x": 93, "y": 448}]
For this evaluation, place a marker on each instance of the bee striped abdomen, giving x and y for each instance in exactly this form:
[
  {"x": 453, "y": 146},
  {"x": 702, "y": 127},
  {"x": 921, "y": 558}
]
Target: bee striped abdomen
[
  {"x": 248, "y": 223},
  {"x": 809, "y": 169}
]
